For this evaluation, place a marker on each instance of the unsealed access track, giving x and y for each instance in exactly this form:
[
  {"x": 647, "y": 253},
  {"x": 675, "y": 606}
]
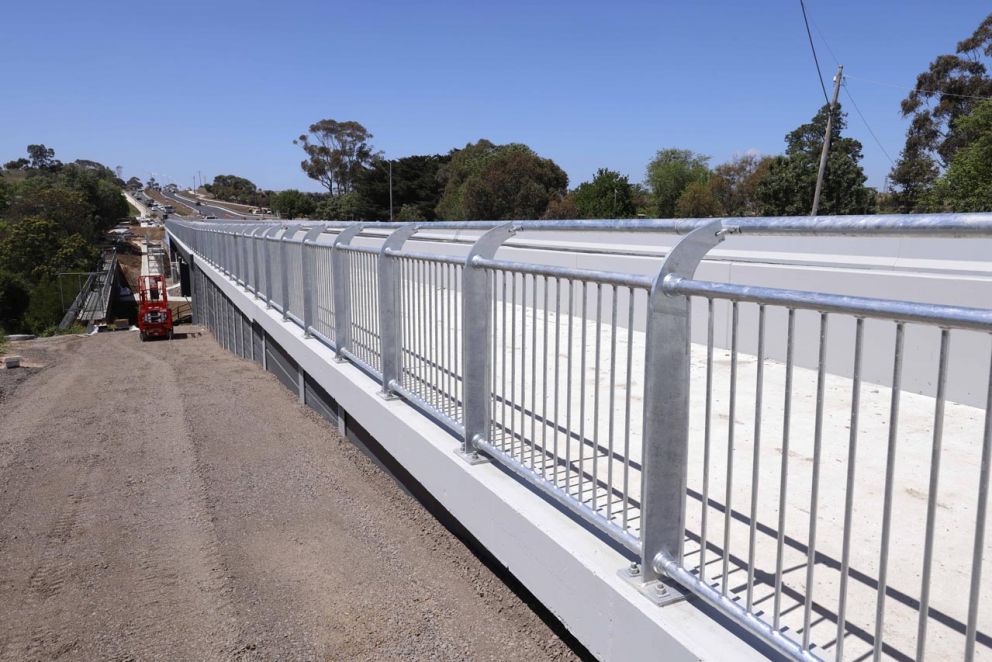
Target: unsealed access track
[{"x": 171, "y": 501}]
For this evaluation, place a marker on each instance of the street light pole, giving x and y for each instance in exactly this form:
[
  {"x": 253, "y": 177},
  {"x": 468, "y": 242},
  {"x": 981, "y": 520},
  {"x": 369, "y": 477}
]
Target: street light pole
[{"x": 390, "y": 190}]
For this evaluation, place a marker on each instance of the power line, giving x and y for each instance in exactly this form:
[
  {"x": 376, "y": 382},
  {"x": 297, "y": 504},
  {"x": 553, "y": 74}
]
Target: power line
[
  {"x": 867, "y": 126},
  {"x": 826, "y": 43},
  {"x": 813, "y": 48},
  {"x": 903, "y": 87},
  {"x": 847, "y": 90},
  {"x": 868, "y": 80}
]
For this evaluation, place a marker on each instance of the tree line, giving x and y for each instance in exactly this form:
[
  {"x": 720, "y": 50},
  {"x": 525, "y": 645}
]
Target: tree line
[
  {"x": 486, "y": 181},
  {"x": 53, "y": 215},
  {"x": 945, "y": 165}
]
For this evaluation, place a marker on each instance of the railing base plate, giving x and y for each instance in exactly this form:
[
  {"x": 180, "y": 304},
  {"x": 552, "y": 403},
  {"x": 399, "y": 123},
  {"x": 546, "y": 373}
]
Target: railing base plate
[
  {"x": 472, "y": 458},
  {"x": 659, "y": 592}
]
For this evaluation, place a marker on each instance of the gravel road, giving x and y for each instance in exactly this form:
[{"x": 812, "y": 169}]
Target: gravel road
[{"x": 171, "y": 501}]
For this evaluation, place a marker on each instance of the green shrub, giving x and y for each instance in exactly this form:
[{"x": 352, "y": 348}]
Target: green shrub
[
  {"x": 14, "y": 299},
  {"x": 45, "y": 308}
]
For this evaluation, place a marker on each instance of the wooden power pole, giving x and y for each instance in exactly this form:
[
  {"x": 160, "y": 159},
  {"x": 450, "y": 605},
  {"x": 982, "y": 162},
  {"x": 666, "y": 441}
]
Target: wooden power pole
[{"x": 826, "y": 141}]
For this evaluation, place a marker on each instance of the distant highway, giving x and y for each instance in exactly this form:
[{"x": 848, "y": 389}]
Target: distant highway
[{"x": 204, "y": 208}]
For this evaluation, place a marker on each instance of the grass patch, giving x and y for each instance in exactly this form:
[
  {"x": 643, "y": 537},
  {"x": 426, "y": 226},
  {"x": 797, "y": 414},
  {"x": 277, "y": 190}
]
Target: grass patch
[
  {"x": 74, "y": 329},
  {"x": 3, "y": 341},
  {"x": 133, "y": 213}
]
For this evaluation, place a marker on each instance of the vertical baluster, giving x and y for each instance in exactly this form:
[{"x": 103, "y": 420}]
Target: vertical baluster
[
  {"x": 582, "y": 390},
  {"x": 935, "y": 455},
  {"x": 980, "y": 514},
  {"x": 814, "y": 499},
  {"x": 890, "y": 467},
  {"x": 784, "y": 471},
  {"x": 544, "y": 387},
  {"x": 554, "y": 440},
  {"x": 569, "y": 352},
  {"x": 627, "y": 398},
  {"x": 503, "y": 372},
  {"x": 523, "y": 363},
  {"x": 595, "y": 406},
  {"x": 852, "y": 454},
  {"x": 533, "y": 370},
  {"x": 731, "y": 416},
  {"x": 450, "y": 331},
  {"x": 497, "y": 343},
  {"x": 612, "y": 400},
  {"x": 755, "y": 458}
]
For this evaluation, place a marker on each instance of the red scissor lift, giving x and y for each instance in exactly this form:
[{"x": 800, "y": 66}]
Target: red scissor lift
[{"x": 154, "y": 316}]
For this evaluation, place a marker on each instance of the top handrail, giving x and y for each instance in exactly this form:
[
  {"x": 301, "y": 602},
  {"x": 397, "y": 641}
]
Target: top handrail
[{"x": 903, "y": 225}]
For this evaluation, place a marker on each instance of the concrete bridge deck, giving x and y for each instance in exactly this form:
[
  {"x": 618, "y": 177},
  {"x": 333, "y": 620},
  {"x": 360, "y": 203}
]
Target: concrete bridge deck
[{"x": 596, "y": 454}]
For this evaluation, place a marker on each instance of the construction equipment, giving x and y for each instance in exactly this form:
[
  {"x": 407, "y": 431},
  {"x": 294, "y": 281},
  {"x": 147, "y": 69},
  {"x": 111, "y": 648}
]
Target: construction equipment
[{"x": 154, "y": 316}]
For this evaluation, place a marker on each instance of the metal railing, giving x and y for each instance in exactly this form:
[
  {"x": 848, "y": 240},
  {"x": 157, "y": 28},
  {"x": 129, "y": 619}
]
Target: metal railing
[{"x": 737, "y": 476}]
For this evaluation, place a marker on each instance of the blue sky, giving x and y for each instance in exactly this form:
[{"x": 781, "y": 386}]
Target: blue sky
[{"x": 223, "y": 87}]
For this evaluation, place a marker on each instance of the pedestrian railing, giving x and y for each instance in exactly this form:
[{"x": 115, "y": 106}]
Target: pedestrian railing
[{"x": 808, "y": 508}]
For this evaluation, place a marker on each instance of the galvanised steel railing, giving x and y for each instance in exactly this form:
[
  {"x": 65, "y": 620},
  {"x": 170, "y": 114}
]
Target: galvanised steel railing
[{"x": 732, "y": 474}]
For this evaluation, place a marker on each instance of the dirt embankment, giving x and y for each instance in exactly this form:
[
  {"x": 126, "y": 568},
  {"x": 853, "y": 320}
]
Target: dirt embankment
[{"x": 185, "y": 507}]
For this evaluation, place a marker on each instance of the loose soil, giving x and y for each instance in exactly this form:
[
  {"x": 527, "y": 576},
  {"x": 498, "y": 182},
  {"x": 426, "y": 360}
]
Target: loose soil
[{"x": 168, "y": 500}]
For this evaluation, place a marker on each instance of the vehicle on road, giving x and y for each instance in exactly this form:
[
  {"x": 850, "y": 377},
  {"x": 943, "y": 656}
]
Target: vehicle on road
[
  {"x": 154, "y": 316},
  {"x": 210, "y": 217}
]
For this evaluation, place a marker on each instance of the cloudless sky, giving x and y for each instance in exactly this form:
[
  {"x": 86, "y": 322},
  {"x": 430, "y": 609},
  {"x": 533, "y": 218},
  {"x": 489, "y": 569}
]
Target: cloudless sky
[{"x": 173, "y": 88}]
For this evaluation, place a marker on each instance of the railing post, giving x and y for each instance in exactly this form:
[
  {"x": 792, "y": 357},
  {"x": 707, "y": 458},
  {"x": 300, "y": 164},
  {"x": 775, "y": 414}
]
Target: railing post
[
  {"x": 243, "y": 253},
  {"x": 666, "y": 412},
  {"x": 218, "y": 256},
  {"x": 236, "y": 255},
  {"x": 267, "y": 249},
  {"x": 390, "y": 337},
  {"x": 287, "y": 235},
  {"x": 342, "y": 289},
  {"x": 477, "y": 297},
  {"x": 309, "y": 287},
  {"x": 232, "y": 254},
  {"x": 227, "y": 243},
  {"x": 256, "y": 266}
]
